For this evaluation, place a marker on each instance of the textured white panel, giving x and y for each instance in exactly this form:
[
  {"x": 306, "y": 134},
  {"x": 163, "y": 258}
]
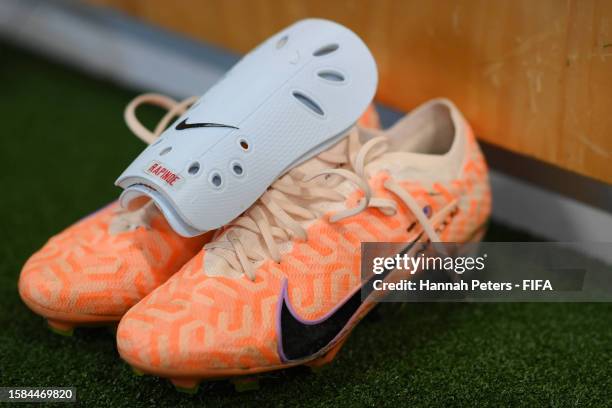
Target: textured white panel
[{"x": 259, "y": 102}]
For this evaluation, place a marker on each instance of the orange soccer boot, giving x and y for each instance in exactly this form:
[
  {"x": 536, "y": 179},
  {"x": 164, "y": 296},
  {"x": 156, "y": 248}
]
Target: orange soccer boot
[
  {"x": 280, "y": 285},
  {"x": 96, "y": 269}
]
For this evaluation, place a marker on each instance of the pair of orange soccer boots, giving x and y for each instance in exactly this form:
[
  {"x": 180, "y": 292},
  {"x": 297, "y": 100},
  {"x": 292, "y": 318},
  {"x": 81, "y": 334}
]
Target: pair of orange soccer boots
[{"x": 278, "y": 286}]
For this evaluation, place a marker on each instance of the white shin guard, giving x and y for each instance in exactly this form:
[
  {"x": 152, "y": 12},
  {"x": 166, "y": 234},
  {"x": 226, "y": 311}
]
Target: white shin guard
[{"x": 289, "y": 99}]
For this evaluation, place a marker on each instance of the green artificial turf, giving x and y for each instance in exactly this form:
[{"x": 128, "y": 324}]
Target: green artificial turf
[{"x": 63, "y": 142}]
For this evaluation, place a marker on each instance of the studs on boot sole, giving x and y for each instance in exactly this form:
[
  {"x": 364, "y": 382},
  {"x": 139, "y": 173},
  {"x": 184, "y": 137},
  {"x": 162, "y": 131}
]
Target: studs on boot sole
[
  {"x": 186, "y": 385},
  {"x": 244, "y": 384},
  {"x": 316, "y": 369},
  {"x": 63, "y": 329},
  {"x": 137, "y": 372}
]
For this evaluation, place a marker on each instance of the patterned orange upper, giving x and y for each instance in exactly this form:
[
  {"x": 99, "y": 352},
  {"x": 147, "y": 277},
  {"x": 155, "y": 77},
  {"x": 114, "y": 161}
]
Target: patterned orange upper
[
  {"x": 88, "y": 272},
  {"x": 199, "y": 323}
]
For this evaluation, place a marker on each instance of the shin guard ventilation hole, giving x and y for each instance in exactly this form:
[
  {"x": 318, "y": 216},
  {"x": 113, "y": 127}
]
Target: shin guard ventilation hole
[
  {"x": 194, "y": 168},
  {"x": 216, "y": 180},
  {"x": 308, "y": 102},
  {"x": 331, "y": 75},
  {"x": 326, "y": 49}
]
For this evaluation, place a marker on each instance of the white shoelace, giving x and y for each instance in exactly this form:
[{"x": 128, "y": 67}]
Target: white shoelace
[
  {"x": 174, "y": 108},
  {"x": 273, "y": 216}
]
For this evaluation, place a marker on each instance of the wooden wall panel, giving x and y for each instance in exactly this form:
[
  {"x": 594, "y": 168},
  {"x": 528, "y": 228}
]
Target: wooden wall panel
[{"x": 534, "y": 77}]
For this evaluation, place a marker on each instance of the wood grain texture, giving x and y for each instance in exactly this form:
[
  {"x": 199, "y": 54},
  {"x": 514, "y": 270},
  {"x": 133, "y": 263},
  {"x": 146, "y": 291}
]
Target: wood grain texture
[{"x": 534, "y": 77}]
